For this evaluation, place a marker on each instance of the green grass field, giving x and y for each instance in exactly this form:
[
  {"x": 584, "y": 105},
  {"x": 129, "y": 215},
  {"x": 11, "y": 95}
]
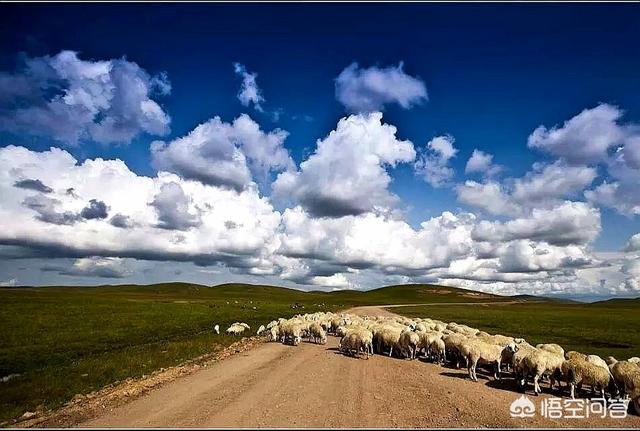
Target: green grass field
[
  {"x": 606, "y": 328},
  {"x": 61, "y": 341}
]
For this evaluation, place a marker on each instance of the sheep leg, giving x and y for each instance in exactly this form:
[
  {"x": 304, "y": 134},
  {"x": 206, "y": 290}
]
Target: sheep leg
[
  {"x": 573, "y": 391},
  {"x": 536, "y": 384}
]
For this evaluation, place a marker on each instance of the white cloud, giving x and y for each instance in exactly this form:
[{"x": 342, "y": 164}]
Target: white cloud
[
  {"x": 621, "y": 193},
  {"x": 10, "y": 282},
  {"x": 346, "y": 174},
  {"x": 167, "y": 218},
  {"x": 224, "y": 154},
  {"x": 73, "y": 100},
  {"x": 249, "y": 91},
  {"x": 369, "y": 240},
  {"x": 370, "y": 89},
  {"x": 543, "y": 187},
  {"x": 631, "y": 271},
  {"x": 336, "y": 281},
  {"x": 110, "y": 267},
  {"x": 146, "y": 234},
  {"x": 488, "y": 196},
  {"x": 545, "y": 183},
  {"x": 527, "y": 256},
  {"x": 597, "y": 136},
  {"x": 481, "y": 162},
  {"x": 433, "y": 164},
  {"x": 633, "y": 244},
  {"x": 568, "y": 223},
  {"x": 585, "y": 138}
]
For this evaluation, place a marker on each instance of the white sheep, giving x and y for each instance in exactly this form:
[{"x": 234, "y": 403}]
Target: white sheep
[
  {"x": 387, "y": 337},
  {"x": 551, "y": 347},
  {"x": 260, "y": 330},
  {"x": 408, "y": 343},
  {"x": 317, "y": 333},
  {"x": 357, "y": 340},
  {"x": 597, "y": 360},
  {"x": 427, "y": 339},
  {"x": 235, "y": 329},
  {"x": 578, "y": 371},
  {"x": 217, "y": 329},
  {"x": 453, "y": 343},
  {"x": 540, "y": 363},
  {"x": 476, "y": 351},
  {"x": 438, "y": 350},
  {"x": 291, "y": 331},
  {"x": 625, "y": 374}
]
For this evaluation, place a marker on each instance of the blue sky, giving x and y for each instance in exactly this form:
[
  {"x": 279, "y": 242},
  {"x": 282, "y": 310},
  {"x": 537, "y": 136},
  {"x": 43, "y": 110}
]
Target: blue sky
[{"x": 493, "y": 74}]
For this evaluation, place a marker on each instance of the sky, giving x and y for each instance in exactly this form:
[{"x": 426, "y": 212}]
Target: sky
[{"x": 494, "y": 147}]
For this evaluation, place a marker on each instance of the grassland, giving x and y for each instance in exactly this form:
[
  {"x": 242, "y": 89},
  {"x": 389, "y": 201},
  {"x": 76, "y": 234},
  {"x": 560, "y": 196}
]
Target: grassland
[
  {"x": 56, "y": 342},
  {"x": 605, "y": 328}
]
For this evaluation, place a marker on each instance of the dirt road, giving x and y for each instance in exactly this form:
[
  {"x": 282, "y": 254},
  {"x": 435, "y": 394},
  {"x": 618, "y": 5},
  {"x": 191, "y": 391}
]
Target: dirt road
[{"x": 275, "y": 385}]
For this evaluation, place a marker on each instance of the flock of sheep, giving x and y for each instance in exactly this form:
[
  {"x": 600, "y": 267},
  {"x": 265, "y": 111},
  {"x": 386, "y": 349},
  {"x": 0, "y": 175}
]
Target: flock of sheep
[{"x": 458, "y": 344}]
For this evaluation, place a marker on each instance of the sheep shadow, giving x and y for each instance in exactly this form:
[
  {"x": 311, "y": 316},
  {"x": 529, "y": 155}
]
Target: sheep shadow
[
  {"x": 508, "y": 384},
  {"x": 463, "y": 375}
]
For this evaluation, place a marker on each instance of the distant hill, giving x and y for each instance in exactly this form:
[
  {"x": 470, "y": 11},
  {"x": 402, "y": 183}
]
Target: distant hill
[
  {"x": 397, "y": 294},
  {"x": 619, "y": 302},
  {"x": 533, "y": 298}
]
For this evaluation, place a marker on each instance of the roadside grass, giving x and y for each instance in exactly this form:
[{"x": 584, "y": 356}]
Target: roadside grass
[
  {"x": 61, "y": 341},
  {"x": 607, "y": 328}
]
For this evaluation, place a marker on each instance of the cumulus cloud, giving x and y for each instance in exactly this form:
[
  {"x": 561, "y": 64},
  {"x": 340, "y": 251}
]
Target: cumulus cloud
[
  {"x": 631, "y": 271},
  {"x": 346, "y": 175},
  {"x": 621, "y": 192},
  {"x": 597, "y": 136},
  {"x": 249, "y": 91},
  {"x": 433, "y": 164},
  {"x": 71, "y": 100},
  {"x": 547, "y": 182},
  {"x": 481, "y": 162},
  {"x": 150, "y": 206},
  {"x": 167, "y": 218},
  {"x": 101, "y": 267},
  {"x": 371, "y": 240},
  {"x": 585, "y": 138},
  {"x": 545, "y": 186},
  {"x": 488, "y": 196},
  {"x": 633, "y": 244},
  {"x": 224, "y": 154},
  {"x": 370, "y": 89},
  {"x": 569, "y": 223}
]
